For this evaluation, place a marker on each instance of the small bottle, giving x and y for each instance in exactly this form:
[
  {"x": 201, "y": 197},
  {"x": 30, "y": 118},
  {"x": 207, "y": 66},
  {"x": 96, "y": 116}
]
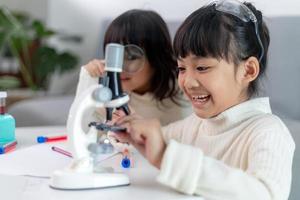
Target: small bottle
[{"x": 7, "y": 122}]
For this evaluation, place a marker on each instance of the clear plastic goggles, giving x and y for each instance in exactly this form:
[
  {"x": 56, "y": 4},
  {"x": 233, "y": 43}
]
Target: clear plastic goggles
[
  {"x": 134, "y": 58},
  {"x": 241, "y": 11}
]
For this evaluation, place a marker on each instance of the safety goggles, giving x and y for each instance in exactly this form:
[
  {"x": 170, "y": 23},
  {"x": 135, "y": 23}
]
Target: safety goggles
[
  {"x": 134, "y": 58},
  {"x": 242, "y": 12}
]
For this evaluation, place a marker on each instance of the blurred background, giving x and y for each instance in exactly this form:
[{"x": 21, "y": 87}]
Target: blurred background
[{"x": 43, "y": 43}]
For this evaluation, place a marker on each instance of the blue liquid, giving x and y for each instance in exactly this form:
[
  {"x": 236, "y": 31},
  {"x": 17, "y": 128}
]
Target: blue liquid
[{"x": 7, "y": 128}]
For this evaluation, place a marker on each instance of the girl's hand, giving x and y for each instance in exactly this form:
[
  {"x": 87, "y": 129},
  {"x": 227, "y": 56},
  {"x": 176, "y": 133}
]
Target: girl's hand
[
  {"x": 145, "y": 135},
  {"x": 95, "y": 68},
  {"x": 118, "y": 145}
]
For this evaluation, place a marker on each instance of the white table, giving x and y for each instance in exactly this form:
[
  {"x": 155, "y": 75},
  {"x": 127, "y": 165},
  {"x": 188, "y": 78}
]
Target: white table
[{"x": 143, "y": 185}]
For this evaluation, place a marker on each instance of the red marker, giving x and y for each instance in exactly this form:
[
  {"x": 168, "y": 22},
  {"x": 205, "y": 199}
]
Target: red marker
[
  {"x": 59, "y": 150},
  {"x": 8, "y": 147},
  {"x": 43, "y": 139}
]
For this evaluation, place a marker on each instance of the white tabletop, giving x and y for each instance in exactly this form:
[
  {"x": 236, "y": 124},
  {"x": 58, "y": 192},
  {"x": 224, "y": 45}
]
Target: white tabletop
[{"x": 142, "y": 177}]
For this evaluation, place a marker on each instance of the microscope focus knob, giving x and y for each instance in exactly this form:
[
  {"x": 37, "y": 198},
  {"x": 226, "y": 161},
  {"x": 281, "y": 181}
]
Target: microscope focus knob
[{"x": 102, "y": 95}]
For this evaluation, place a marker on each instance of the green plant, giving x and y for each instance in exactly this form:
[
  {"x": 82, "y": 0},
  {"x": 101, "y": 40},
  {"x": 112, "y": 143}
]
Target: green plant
[{"x": 24, "y": 39}]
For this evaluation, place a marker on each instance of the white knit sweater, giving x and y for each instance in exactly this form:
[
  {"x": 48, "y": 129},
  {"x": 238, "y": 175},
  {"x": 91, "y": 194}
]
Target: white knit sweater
[
  {"x": 145, "y": 105},
  {"x": 244, "y": 153}
]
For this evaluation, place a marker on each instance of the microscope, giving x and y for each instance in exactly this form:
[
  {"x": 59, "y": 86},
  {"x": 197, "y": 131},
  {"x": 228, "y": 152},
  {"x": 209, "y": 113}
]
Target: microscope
[{"x": 83, "y": 172}]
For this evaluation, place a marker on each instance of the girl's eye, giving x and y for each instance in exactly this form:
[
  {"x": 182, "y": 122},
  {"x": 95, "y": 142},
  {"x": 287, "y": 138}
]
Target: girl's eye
[
  {"x": 180, "y": 69},
  {"x": 131, "y": 57},
  {"x": 201, "y": 69}
]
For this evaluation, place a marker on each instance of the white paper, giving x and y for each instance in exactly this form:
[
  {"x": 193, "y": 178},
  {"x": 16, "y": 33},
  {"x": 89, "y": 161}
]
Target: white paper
[{"x": 38, "y": 160}]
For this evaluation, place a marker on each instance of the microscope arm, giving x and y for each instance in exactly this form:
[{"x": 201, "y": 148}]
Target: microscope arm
[{"x": 78, "y": 140}]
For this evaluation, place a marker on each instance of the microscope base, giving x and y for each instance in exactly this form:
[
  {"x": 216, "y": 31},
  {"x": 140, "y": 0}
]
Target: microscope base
[{"x": 69, "y": 180}]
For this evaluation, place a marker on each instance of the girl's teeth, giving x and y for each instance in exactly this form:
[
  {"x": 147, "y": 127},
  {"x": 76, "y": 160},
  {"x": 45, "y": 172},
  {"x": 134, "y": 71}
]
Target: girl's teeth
[{"x": 200, "y": 98}]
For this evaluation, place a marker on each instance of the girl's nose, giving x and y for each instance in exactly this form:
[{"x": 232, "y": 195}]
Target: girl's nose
[{"x": 191, "y": 82}]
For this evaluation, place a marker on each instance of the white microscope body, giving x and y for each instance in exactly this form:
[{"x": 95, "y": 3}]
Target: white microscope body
[{"x": 81, "y": 174}]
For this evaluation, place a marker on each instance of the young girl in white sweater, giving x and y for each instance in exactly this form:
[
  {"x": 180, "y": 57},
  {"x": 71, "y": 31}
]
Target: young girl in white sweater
[
  {"x": 232, "y": 147},
  {"x": 149, "y": 76}
]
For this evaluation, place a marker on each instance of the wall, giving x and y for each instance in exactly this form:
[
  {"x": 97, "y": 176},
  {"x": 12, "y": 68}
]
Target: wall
[
  {"x": 89, "y": 19},
  {"x": 37, "y": 8},
  {"x": 85, "y": 17}
]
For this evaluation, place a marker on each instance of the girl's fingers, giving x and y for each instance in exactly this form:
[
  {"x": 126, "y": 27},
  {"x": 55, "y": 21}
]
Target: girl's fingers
[
  {"x": 135, "y": 133},
  {"x": 119, "y": 113},
  {"x": 125, "y": 136},
  {"x": 128, "y": 118},
  {"x": 119, "y": 137},
  {"x": 98, "y": 71},
  {"x": 131, "y": 135},
  {"x": 90, "y": 68},
  {"x": 120, "y": 144},
  {"x": 123, "y": 120},
  {"x": 116, "y": 115},
  {"x": 133, "y": 128},
  {"x": 95, "y": 68},
  {"x": 102, "y": 66}
]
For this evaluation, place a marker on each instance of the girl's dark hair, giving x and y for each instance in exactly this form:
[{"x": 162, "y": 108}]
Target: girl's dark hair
[
  {"x": 148, "y": 30},
  {"x": 208, "y": 32}
]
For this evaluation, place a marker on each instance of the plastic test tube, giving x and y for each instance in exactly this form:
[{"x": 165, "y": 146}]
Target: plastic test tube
[{"x": 61, "y": 151}]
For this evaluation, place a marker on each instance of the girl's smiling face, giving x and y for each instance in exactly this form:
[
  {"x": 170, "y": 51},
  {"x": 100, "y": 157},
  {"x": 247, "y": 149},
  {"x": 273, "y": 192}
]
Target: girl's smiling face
[{"x": 212, "y": 85}]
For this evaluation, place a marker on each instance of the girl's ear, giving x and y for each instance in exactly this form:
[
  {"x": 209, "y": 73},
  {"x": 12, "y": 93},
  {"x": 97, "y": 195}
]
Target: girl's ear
[{"x": 251, "y": 69}]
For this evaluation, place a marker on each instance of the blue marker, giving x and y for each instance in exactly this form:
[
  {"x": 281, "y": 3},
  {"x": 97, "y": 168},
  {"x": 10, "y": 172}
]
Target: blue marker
[{"x": 43, "y": 139}]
